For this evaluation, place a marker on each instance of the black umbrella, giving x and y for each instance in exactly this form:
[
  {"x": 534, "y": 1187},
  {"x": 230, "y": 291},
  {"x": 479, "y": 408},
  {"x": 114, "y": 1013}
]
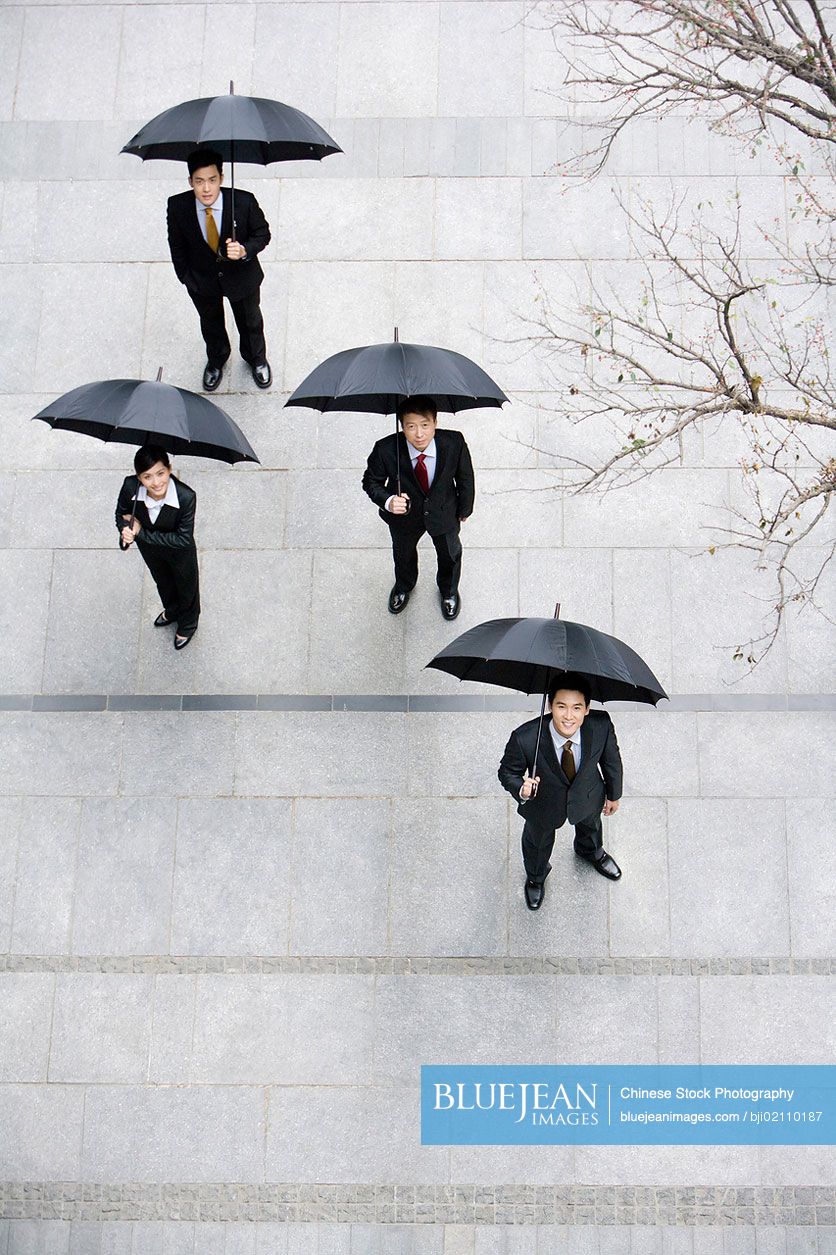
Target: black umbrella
[
  {"x": 240, "y": 128},
  {"x": 376, "y": 378},
  {"x": 139, "y": 411},
  {"x": 530, "y": 654}
]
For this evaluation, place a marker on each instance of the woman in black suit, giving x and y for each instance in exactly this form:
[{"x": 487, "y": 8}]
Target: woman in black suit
[{"x": 156, "y": 511}]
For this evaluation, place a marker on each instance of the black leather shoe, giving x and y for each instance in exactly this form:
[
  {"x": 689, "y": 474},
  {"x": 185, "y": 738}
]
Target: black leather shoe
[
  {"x": 162, "y": 621},
  {"x": 534, "y": 895},
  {"x": 212, "y": 376},
  {"x": 263, "y": 375},
  {"x": 607, "y": 866},
  {"x": 180, "y": 642},
  {"x": 450, "y": 606},
  {"x": 397, "y": 601}
]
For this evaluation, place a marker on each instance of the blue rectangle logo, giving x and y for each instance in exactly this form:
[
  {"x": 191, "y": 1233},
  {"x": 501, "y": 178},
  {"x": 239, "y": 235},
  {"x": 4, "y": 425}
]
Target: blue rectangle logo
[{"x": 648, "y": 1105}]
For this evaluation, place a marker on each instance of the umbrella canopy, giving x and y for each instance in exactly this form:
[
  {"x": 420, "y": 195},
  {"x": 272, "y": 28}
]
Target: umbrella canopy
[
  {"x": 240, "y": 128},
  {"x": 137, "y": 412},
  {"x": 528, "y": 654},
  {"x": 375, "y": 379}
]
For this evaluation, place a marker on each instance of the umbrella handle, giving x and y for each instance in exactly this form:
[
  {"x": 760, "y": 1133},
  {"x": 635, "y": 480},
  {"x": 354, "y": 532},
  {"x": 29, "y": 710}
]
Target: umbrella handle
[{"x": 132, "y": 519}]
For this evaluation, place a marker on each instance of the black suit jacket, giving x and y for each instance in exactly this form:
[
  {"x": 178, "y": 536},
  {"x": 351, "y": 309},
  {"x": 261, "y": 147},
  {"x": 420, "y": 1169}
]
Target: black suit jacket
[
  {"x": 599, "y": 776},
  {"x": 205, "y": 272},
  {"x": 451, "y": 493},
  {"x": 173, "y": 533}
]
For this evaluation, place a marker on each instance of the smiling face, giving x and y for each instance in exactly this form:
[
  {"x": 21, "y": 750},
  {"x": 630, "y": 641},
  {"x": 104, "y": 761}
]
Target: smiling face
[
  {"x": 206, "y": 183},
  {"x": 419, "y": 430},
  {"x": 155, "y": 480},
  {"x": 569, "y": 709}
]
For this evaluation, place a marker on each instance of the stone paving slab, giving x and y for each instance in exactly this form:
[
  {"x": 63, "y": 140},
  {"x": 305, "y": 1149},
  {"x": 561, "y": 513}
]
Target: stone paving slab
[
  {"x": 249, "y": 1030},
  {"x": 285, "y": 753},
  {"x": 79, "y": 619},
  {"x": 214, "y": 1238},
  {"x": 424, "y": 871}
]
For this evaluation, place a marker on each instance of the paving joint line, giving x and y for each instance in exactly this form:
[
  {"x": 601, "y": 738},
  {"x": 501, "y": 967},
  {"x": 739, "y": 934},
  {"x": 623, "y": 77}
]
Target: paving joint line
[
  {"x": 496, "y": 1205},
  {"x": 417, "y": 965},
  {"x": 404, "y": 703}
]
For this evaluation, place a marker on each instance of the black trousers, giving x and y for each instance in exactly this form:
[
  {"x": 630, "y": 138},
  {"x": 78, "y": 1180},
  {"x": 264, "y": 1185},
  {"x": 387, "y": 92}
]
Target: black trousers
[
  {"x": 537, "y": 845},
  {"x": 448, "y": 549},
  {"x": 176, "y": 576},
  {"x": 248, "y": 320}
]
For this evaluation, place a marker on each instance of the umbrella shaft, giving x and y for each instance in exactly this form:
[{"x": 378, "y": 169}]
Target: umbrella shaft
[{"x": 539, "y": 734}]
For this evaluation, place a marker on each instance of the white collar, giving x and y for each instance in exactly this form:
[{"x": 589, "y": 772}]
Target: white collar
[
  {"x": 414, "y": 453},
  {"x": 170, "y": 497}
]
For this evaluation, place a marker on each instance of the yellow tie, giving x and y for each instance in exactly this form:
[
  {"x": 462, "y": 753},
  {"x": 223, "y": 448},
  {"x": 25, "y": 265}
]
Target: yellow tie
[{"x": 211, "y": 230}]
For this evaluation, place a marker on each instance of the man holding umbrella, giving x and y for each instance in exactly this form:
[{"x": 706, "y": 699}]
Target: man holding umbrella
[
  {"x": 421, "y": 476},
  {"x": 437, "y": 470},
  {"x": 579, "y": 777},
  {"x": 565, "y": 764},
  {"x": 214, "y": 249}
]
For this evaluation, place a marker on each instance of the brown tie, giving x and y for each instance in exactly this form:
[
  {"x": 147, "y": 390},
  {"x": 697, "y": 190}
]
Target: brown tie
[
  {"x": 567, "y": 762},
  {"x": 211, "y": 230}
]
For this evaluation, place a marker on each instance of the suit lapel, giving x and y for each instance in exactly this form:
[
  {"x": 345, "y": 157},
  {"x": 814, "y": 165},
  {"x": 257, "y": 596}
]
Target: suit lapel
[
  {"x": 547, "y": 752},
  {"x": 165, "y": 515},
  {"x": 586, "y": 743},
  {"x": 226, "y": 221},
  {"x": 191, "y": 223},
  {"x": 439, "y": 458},
  {"x": 407, "y": 471}
]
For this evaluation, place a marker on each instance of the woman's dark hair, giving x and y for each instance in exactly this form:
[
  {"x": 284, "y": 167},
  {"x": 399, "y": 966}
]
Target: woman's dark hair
[
  {"x": 570, "y": 680},
  {"x": 204, "y": 157},
  {"x": 149, "y": 455},
  {"x": 417, "y": 405}
]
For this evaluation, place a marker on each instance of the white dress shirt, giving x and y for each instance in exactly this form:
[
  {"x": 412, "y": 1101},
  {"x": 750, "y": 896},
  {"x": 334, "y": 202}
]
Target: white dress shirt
[
  {"x": 559, "y": 740},
  {"x": 429, "y": 464},
  {"x": 153, "y": 507},
  {"x": 217, "y": 214}
]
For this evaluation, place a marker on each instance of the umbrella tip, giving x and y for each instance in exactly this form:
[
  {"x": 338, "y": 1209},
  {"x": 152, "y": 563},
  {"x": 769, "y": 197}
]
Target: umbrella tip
[
  {"x": 396, "y": 335},
  {"x": 231, "y": 88},
  {"x": 159, "y": 373},
  {"x": 557, "y": 609}
]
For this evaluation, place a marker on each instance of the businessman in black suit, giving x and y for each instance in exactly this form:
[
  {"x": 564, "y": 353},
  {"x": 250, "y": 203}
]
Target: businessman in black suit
[
  {"x": 579, "y": 778},
  {"x": 214, "y": 258},
  {"x": 435, "y": 494}
]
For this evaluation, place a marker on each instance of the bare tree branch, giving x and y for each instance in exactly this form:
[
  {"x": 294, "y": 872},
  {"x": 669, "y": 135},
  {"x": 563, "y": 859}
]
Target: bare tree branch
[
  {"x": 743, "y": 62},
  {"x": 707, "y": 341}
]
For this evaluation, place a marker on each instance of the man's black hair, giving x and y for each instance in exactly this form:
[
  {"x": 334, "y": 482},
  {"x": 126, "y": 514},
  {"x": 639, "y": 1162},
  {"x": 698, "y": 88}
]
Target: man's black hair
[
  {"x": 570, "y": 680},
  {"x": 205, "y": 157},
  {"x": 417, "y": 405}
]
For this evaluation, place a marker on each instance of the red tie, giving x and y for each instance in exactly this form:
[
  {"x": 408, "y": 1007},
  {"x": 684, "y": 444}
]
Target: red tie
[{"x": 421, "y": 474}]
